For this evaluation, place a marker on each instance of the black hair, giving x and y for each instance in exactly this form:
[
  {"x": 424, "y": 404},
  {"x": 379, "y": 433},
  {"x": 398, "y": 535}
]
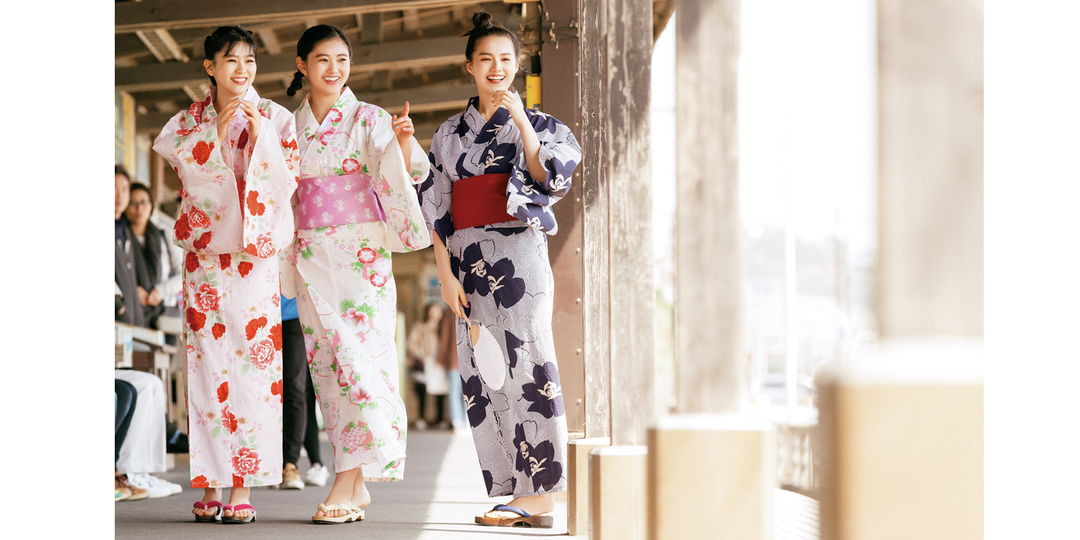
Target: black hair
[
  {"x": 224, "y": 39},
  {"x": 312, "y": 37},
  {"x": 482, "y": 28},
  {"x": 139, "y": 186},
  {"x": 123, "y": 172}
]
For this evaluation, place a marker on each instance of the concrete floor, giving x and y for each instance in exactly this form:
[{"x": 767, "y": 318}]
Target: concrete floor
[{"x": 442, "y": 492}]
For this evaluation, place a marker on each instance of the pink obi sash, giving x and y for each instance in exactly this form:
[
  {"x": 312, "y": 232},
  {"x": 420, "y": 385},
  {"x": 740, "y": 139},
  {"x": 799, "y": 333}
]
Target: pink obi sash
[{"x": 337, "y": 200}]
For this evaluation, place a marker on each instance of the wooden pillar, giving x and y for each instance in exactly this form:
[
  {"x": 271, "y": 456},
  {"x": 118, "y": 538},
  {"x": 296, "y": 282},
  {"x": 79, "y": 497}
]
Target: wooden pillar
[
  {"x": 902, "y": 429},
  {"x": 930, "y": 166},
  {"x": 726, "y": 464},
  {"x": 708, "y": 236},
  {"x": 593, "y": 137},
  {"x": 561, "y": 89},
  {"x": 630, "y": 279}
]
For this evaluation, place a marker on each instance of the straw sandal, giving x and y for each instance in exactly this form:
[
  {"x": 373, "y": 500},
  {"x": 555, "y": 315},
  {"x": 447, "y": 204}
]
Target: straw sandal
[{"x": 352, "y": 513}]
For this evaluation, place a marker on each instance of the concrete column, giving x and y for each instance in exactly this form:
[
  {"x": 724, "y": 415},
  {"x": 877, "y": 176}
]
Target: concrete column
[
  {"x": 618, "y": 493},
  {"x": 711, "y": 476},
  {"x": 578, "y": 500}
]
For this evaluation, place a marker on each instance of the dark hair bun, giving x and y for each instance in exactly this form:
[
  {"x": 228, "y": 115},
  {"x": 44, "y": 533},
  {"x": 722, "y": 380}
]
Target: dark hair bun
[{"x": 481, "y": 20}]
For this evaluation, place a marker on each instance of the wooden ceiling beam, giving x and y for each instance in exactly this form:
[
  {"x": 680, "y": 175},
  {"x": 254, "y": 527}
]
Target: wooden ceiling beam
[
  {"x": 366, "y": 58},
  {"x": 168, "y": 14}
]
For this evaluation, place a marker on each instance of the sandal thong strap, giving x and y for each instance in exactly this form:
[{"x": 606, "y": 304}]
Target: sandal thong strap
[
  {"x": 508, "y": 508},
  {"x": 203, "y": 506},
  {"x": 244, "y": 506}
]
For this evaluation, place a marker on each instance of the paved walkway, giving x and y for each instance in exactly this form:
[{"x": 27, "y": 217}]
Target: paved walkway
[{"x": 443, "y": 490}]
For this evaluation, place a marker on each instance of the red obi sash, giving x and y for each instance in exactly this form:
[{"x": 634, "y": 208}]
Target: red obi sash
[{"x": 479, "y": 200}]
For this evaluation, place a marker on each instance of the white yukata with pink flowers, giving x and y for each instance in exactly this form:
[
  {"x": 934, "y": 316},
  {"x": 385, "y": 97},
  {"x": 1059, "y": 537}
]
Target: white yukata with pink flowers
[
  {"x": 235, "y": 219},
  {"x": 355, "y": 205}
]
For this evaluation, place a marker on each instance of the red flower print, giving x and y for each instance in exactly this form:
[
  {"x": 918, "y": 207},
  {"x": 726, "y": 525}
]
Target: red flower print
[
  {"x": 191, "y": 261},
  {"x": 253, "y": 326},
  {"x": 228, "y": 420},
  {"x": 237, "y": 481},
  {"x": 350, "y": 165},
  {"x": 201, "y": 152},
  {"x": 225, "y": 260},
  {"x": 334, "y": 115},
  {"x": 219, "y": 330},
  {"x": 199, "y": 482},
  {"x": 246, "y": 461},
  {"x": 203, "y": 240},
  {"x": 275, "y": 336},
  {"x": 377, "y": 280},
  {"x": 242, "y": 140},
  {"x": 182, "y": 229},
  {"x": 198, "y": 219},
  {"x": 195, "y": 319},
  {"x": 262, "y": 353},
  {"x": 223, "y": 392},
  {"x": 264, "y": 248},
  {"x": 206, "y": 298},
  {"x": 264, "y": 113},
  {"x": 275, "y": 389},
  {"x": 255, "y": 207},
  {"x": 325, "y": 137},
  {"x": 288, "y": 143},
  {"x": 277, "y": 300},
  {"x": 367, "y": 255},
  {"x": 244, "y": 267}
]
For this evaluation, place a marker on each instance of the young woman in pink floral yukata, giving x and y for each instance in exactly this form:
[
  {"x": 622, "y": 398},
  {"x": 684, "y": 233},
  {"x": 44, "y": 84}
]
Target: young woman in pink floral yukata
[
  {"x": 356, "y": 204},
  {"x": 236, "y": 156}
]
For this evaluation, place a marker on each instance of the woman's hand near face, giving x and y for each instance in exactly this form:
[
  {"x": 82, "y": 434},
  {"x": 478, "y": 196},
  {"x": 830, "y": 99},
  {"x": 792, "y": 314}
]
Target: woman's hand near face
[
  {"x": 225, "y": 115},
  {"x": 509, "y": 99},
  {"x": 254, "y": 118}
]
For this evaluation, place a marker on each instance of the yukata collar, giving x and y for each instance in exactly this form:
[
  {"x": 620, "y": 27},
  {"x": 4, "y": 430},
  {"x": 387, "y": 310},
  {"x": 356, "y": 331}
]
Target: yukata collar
[
  {"x": 490, "y": 128},
  {"x": 251, "y": 96},
  {"x": 345, "y": 100}
]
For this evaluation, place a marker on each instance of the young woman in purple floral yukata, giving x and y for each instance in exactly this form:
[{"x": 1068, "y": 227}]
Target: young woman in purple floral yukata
[
  {"x": 356, "y": 204},
  {"x": 496, "y": 169},
  {"x": 235, "y": 154}
]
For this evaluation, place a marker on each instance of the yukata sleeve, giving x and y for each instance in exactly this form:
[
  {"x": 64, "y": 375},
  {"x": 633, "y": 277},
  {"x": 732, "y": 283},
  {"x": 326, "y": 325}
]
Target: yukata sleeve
[
  {"x": 209, "y": 221},
  {"x": 284, "y": 190},
  {"x": 270, "y": 181},
  {"x": 435, "y": 191},
  {"x": 529, "y": 199},
  {"x": 418, "y": 162},
  {"x": 393, "y": 184}
]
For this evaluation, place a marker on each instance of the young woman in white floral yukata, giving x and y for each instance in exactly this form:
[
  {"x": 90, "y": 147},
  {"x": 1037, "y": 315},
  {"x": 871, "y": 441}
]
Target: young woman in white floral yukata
[
  {"x": 355, "y": 205},
  {"x": 236, "y": 156}
]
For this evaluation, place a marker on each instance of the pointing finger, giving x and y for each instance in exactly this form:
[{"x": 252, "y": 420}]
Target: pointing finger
[{"x": 405, "y": 110}]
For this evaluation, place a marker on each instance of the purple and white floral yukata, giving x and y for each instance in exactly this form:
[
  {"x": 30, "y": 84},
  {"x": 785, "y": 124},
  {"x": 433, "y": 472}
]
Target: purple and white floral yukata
[{"x": 520, "y": 428}]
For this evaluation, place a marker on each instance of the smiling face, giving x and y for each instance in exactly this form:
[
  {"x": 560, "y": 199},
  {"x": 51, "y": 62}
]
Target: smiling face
[
  {"x": 327, "y": 66},
  {"x": 493, "y": 64},
  {"x": 232, "y": 69}
]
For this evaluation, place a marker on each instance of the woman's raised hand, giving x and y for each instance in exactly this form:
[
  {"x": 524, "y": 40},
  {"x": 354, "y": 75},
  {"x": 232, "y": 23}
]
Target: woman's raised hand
[
  {"x": 254, "y": 118},
  {"x": 248, "y": 110},
  {"x": 403, "y": 126}
]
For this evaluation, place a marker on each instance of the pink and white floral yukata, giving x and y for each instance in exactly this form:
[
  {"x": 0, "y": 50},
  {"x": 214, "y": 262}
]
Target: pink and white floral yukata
[
  {"x": 355, "y": 205},
  {"x": 235, "y": 218}
]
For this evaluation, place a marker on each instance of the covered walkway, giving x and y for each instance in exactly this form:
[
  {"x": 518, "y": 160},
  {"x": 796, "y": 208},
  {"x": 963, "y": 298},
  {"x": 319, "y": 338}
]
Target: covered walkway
[{"x": 442, "y": 491}]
